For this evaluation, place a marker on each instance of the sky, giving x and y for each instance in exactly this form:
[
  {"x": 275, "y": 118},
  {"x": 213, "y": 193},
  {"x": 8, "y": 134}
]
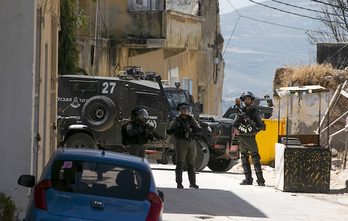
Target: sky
[{"x": 225, "y": 6}]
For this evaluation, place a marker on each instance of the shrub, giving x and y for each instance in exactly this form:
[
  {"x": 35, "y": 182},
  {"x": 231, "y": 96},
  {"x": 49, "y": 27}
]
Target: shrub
[{"x": 7, "y": 208}]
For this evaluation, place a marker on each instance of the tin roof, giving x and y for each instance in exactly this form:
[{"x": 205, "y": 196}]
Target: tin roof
[{"x": 313, "y": 88}]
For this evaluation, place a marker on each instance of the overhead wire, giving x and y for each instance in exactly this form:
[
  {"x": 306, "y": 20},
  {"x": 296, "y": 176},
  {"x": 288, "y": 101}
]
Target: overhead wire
[
  {"x": 262, "y": 21},
  {"x": 326, "y": 3},
  {"x": 293, "y": 13},
  {"x": 303, "y": 8}
]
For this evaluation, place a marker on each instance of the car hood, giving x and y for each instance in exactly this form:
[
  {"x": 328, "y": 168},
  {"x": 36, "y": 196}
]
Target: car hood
[{"x": 214, "y": 118}]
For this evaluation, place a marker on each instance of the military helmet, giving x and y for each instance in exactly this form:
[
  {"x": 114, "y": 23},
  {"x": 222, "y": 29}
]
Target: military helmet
[
  {"x": 139, "y": 112},
  {"x": 184, "y": 106},
  {"x": 247, "y": 94}
]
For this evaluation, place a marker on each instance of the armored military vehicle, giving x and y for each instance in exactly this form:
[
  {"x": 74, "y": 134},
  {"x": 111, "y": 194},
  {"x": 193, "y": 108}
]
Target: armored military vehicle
[{"x": 92, "y": 110}]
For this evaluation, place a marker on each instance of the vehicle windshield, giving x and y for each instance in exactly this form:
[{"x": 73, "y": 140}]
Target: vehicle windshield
[
  {"x": 175, "y": 98},
  {"x": 100, "y": 179}
]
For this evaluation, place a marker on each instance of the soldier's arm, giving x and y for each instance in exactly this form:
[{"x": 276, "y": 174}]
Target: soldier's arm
[
  {"x": 257, "y": 119},
  {"x": 133, "y": 131},
  {"x": 174, "y": 127}
]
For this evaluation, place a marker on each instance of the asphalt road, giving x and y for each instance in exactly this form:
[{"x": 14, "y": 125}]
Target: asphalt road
[{"x": 221, "y": 198}]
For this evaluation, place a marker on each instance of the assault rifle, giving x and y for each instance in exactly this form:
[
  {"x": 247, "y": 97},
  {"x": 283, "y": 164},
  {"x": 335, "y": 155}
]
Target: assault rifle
[
  {"x": 245, "y": 117},
  {"x": 152, "y": 130},
  {"x": 188, "y": 130}
]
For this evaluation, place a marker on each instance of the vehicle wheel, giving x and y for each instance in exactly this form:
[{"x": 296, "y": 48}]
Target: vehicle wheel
[
  {"x": 99, "y": 113},
  {"x": 80, "y": 140},
  {"x": 164, "y": 159},
  {"x": 221, "y": 165},
  {"x": 202, "y": 159}
]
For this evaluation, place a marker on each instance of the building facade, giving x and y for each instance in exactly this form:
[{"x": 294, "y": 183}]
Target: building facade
[
  {"x": 28, "y": 88},
  {"x": 179, "y": 40}
]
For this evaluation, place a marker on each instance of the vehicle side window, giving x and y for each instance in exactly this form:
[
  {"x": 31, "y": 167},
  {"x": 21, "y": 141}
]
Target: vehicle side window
[
  {"x": 100, "y": 179},
  {"x": 147, "y": 100},
  {"x": 83, "y": 86}
]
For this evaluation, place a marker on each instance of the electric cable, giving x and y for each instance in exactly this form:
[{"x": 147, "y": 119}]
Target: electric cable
[
  {"x": 326, "y": 3},
  {"x": 293, "y": 13},
  {"x": 308, "y": 9}
]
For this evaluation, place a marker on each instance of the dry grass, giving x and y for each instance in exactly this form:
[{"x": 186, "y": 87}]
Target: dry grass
[{"x": 318, "y": 74}]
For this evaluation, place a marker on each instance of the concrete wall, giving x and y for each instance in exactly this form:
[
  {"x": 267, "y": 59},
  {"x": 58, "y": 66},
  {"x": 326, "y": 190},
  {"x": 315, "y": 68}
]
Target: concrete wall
[
  {"x": 21, "y": 113},
  {"x": 17, "y": 21},
  {"x": 211, "y": 75},
  {"x": 187, "y": 6}
]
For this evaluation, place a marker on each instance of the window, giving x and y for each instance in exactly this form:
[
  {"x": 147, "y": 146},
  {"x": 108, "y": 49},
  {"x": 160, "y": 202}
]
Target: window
[
  {"x": 187, "y": 84},
  {"x": 83, "y": 86},
  {"x": 99, "y": 179},
  {"x": 147, "y": 100},
  {"x": 176, "y": 98}
]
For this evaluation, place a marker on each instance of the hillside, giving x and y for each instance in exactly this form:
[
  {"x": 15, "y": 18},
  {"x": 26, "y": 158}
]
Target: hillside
[{"x": 257, "y": 49}]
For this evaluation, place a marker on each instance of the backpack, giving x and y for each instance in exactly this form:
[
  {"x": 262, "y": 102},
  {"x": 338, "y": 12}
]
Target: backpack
[{"x": 125, "y": 136}]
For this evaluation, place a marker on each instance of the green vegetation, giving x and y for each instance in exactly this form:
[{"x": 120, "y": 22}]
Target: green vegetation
[
  {"x": 71, "y": 19},
  {"x": 7, "y": 208}
]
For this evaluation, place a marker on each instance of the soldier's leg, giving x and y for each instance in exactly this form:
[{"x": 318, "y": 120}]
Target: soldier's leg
[
  {"x": 246, "y": 168},
  {"x": 257, "y": 165},
  {"x": 190, "y": 161},
  {"x": 254, "y": 151},
  {"x": 180, "y": 151},
  {"x": 243, "y": 146},
  {"x": 134, "y": 149}
]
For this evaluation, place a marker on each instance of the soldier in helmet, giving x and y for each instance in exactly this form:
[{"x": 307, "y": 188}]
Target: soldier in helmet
[
  {"x": 138, "y": 133},
  {"x": 185, "y": 148},
  {"x": 248, "y": 125}
]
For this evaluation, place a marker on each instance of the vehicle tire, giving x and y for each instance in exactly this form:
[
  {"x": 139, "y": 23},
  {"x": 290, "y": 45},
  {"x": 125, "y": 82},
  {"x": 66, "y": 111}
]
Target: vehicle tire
[
  {"x": 164, "y": 159},
  {"x": 80, "y": 140},
  {"x": 221, "y": 165},
  {"x": 99, "y": 113},
  {"x": 202, "y": 159}
]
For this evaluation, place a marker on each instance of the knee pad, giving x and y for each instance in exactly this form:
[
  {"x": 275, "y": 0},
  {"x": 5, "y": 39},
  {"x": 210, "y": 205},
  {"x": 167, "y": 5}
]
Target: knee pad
[
  {"x": 244, "y": 157},
  {"x": 191, "y": 167},
  {"x": 256, "y": 160},
  {"x": 255, "y": 155}
]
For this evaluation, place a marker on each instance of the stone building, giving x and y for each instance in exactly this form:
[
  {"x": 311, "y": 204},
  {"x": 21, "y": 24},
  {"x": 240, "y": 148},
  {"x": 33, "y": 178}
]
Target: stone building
[{"x": 179, "y": 40}]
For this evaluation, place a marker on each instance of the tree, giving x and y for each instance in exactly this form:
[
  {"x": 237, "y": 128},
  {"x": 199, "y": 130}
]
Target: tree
[
  {"x": 334, "y": 24},
  {"x": 71, "y": 18}
]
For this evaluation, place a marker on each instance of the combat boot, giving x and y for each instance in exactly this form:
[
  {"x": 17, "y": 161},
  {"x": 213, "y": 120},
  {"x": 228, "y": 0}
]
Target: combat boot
[
  {"x": 257, "y": 165},
  {"x": 178, "y": 174},
  {"x": 247, "y": 170},
  {"x": 192, "y": 176}
]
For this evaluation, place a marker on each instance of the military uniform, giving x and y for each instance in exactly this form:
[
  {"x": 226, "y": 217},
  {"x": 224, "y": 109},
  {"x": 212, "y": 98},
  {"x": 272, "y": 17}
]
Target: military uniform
[
  {"x": 185, "y": 148},
  {"x": 138, "y": 134},
  {"x": 248, "y": 145}
]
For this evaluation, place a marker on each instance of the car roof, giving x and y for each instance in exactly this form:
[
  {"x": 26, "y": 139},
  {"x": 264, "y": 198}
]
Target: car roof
[{"x": 101, "y": 156}]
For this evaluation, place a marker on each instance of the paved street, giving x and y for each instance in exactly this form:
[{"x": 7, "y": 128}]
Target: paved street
[{"x": 220, "y": 197}]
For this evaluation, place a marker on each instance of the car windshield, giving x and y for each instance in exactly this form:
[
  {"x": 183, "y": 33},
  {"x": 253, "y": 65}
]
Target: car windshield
[
  {"x": 100, "y": 179},
  {"x": 175, "y": 98}
]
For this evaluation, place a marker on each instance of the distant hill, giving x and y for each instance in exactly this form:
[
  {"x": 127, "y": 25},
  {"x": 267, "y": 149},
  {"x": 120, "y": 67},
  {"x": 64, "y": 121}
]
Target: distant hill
[{"x": 257, "y": 49}]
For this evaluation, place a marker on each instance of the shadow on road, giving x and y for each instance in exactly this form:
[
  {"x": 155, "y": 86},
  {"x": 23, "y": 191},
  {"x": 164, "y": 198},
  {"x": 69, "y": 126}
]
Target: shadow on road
[{"x": 212, "y": 202}]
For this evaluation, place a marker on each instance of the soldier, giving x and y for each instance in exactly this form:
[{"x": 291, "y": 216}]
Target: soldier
[
  {"x": 138, "y": 132},
  {"x": 185, "y": 149},
  {"x": 248, "y": 125}
]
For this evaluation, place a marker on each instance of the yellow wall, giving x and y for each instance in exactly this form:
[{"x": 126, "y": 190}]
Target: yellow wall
[{"x": 48, "y": 83}]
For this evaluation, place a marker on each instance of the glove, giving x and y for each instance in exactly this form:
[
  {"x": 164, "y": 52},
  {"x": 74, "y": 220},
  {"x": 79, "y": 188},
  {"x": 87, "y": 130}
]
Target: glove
[{"x": 150, "y": 127}]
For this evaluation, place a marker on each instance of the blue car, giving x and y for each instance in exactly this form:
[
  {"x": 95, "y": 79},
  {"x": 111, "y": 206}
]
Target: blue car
[{"x": 82, "y": 184}]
